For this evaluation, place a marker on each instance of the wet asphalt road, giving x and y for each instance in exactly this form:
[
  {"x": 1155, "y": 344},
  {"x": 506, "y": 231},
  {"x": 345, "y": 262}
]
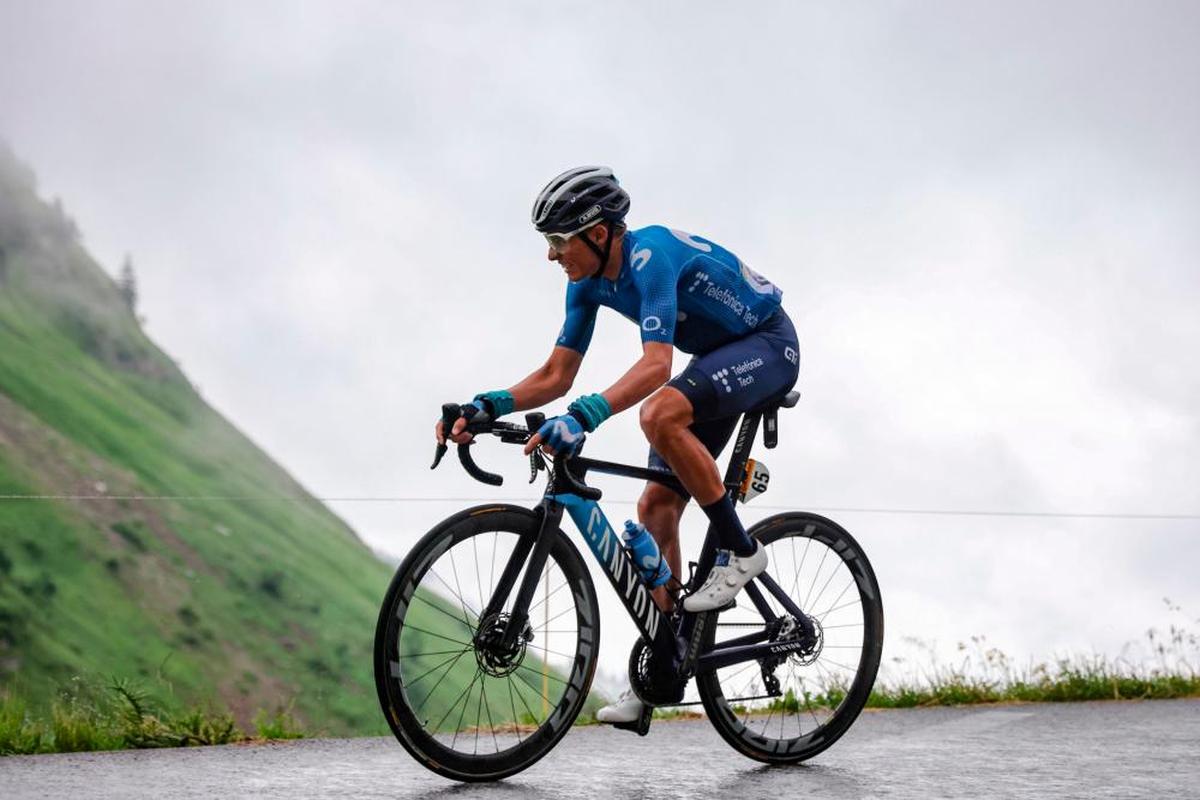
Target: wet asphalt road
[{"x": 1086, "y": 750}]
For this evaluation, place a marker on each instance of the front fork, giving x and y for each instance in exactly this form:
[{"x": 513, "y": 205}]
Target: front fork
[{"x": 532, "y": 551}]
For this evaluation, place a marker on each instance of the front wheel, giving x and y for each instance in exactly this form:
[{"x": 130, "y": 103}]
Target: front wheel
[
  {"x": 458, "y": 703},
  {"x": 790, "y": 707}
]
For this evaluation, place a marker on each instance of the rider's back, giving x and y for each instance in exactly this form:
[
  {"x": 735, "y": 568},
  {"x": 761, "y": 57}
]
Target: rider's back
[{"x": 680, "y": 288}]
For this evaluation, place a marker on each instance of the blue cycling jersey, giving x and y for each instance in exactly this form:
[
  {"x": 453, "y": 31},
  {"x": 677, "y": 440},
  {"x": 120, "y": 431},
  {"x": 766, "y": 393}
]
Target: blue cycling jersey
[{"x": 682, "y": 290}]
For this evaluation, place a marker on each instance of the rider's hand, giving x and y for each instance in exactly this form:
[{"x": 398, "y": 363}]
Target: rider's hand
[
  {"x": 458, "y": 432},
  {"x": 563, "y": 433}
]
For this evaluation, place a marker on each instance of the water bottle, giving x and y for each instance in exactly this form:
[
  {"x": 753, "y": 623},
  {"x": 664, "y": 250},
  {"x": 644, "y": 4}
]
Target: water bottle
[{"x": 644, "y": 551}]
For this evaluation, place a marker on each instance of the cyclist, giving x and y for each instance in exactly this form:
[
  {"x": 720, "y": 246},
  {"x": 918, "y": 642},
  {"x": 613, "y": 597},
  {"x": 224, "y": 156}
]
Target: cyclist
[{"x": 684, "y": 291}]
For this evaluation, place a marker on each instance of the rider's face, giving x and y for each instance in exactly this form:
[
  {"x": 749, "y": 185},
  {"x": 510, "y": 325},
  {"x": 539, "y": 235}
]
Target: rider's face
[{"x": 576, "y": 258}]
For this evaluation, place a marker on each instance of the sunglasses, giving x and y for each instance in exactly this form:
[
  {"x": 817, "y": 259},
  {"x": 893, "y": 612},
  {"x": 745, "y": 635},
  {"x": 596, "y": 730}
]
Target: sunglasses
[{"x": 558, "y": 241}]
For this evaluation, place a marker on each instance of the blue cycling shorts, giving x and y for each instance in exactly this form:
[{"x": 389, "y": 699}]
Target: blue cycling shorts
[{"x": 737, "y": 377}]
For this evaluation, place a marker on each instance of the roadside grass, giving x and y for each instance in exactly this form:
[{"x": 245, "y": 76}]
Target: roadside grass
[
  {"x": 1164, "y": 666},
  {"x": 124, "y": 715},
  {"x": 1072, "y": 679}
]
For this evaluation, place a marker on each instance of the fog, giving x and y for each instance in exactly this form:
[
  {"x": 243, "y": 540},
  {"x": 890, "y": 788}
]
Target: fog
[{"x": 983, "y": 219}]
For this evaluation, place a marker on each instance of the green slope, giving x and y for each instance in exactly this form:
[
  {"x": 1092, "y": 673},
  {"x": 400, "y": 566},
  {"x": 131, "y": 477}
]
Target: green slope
[{"x": 241, "y": 604}]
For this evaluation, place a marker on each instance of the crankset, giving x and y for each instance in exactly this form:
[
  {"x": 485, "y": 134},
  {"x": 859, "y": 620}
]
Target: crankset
[{"x": 654, "y": 682}]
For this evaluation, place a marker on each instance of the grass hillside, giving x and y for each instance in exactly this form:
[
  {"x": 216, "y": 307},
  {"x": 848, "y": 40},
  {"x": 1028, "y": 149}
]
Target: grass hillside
[{"x": 244, "y": 605}]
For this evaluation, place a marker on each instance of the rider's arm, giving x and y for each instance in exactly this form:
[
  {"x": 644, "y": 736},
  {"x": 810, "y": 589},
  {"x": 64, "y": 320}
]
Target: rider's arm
[
  {"x": 548, "y": 382},
  {"x": 656, "y": 282},
  {"x": 650, "y": 371}
]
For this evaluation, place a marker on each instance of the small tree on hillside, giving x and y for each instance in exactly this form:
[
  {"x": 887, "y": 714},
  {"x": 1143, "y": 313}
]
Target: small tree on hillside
[{"x": 127, "y": 284}]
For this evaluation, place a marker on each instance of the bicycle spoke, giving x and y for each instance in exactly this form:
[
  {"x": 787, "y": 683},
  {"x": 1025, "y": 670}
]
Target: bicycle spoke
[
  {"x": 843, "y": 666},
  {"x": 454, "y": 706},
  {"x": 491, "y": 723},
  {"x": 478, "y": 582},
  {"x": 434, "y": 653},
  {"x": 839, "y": 597},
  {"x": 478, "y": 717},
  {"x": 439, "y": 683},
  {"x": 559, "y": 614},
  {"x": 415, "y": 681},
  {"x": 816, "y": 577},
  {"x": 809, "y": 705},
  {"x": 528, "y": 710},
  {"x": 454, "y": 567},
  {"x": 742, "y": 669},
  {"x": 796, "y": 584},
  {"x": 492, "y": 574},
  {"x": 770, "y": 713},
  {"x": 438, "y": 635},
  {"x": 552, "y": 652},
  {"x": 536, "y": 605},
  {"x": 821, "y": 593},
  {"x": 441, "y": 610},
  {"x": 855, "y": 601},
  {"x": 540, "y": 674},
  {"x": 457, "y": 596},
  {"x": 516, "y": 719}
]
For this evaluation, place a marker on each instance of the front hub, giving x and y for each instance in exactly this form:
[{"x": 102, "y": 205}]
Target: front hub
[{"x": 490, "y": 653}]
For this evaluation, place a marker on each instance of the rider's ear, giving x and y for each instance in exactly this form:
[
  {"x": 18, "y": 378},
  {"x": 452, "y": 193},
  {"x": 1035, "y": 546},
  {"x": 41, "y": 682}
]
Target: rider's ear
[{"x": 597, "y": 233}]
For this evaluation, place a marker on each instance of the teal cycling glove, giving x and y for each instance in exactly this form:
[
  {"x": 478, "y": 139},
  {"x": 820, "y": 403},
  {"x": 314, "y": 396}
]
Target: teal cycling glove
[
  {"x": 497, "y": 402},
  {"x": 590, "y": 410}
]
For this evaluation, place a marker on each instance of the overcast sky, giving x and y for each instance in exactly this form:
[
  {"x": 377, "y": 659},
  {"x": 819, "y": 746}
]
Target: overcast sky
[{"x": 984, "y": 218}]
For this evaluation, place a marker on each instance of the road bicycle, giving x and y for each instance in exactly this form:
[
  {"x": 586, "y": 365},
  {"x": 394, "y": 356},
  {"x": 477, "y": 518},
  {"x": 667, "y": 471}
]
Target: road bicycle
[{"x": 488, "y": 637}]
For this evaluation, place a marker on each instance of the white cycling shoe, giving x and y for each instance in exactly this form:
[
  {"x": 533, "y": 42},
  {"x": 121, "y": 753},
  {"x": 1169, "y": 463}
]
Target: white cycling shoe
[
  {"x": 628, "y": 708},
  {"x": 727, "y": 577}
]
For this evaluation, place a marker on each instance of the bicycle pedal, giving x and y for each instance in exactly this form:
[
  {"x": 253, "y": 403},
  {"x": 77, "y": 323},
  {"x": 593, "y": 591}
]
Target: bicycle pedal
[{"x": 641, "y": 725}]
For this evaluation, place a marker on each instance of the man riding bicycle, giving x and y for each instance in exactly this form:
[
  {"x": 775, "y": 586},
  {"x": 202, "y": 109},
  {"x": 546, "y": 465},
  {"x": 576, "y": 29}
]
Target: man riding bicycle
[{"x": 686, "y": 292}]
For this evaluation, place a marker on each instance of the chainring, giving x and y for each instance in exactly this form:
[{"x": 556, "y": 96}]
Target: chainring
[{"x": 655, "y": 683}]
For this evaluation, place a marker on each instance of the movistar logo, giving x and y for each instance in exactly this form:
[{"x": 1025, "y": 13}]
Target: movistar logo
[
  {"x": 691, "y": 241},
  {"x": 563, "y": 432},
  {"x": 639, "y": 258}
]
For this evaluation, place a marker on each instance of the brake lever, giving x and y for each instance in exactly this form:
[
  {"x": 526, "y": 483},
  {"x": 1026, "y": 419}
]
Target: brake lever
[
  {"x": 536, "y": 463},
  {"x": 450, "y": 413}
]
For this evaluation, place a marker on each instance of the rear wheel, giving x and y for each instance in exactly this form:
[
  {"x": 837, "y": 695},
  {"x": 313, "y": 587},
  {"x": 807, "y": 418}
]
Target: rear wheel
[
  {"x": 791, "y": 707},
  {"x": 460, "y": 704}
]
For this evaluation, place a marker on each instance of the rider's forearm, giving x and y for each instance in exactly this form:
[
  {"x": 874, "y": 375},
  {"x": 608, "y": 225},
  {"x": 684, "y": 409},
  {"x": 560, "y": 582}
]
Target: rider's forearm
[
  {"x": 539, "y": 388},
  {"x": 638, "y": 383}
]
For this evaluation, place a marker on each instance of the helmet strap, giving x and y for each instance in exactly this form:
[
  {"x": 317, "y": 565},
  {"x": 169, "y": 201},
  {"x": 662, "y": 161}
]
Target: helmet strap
[{"x": 601, "y": 254}]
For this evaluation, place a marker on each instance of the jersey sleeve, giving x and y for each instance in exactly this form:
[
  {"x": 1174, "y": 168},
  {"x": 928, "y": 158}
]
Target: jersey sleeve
[
  {"x": 656, "y": 280},
  {"x": 577, "y": 330}
]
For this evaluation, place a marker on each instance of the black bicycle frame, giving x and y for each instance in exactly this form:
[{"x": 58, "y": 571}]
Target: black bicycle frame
[{"x": 678, "y": 645}]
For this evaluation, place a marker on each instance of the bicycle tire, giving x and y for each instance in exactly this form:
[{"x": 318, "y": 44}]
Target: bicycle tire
[
  {"x": 394, "y": 673},
  {"x": 738, "y": 723}
]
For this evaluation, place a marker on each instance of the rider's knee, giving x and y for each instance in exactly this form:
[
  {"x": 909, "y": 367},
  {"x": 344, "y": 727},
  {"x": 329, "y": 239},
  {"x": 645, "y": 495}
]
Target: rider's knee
[{"x": 664, "y": 410}]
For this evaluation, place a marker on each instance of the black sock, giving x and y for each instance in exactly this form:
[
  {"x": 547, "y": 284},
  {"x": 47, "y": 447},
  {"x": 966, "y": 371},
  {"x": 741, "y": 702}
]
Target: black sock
[{"x": 730, "y": 533}]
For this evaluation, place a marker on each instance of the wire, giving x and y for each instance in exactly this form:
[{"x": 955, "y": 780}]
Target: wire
[{"x": 945, "y": 512}]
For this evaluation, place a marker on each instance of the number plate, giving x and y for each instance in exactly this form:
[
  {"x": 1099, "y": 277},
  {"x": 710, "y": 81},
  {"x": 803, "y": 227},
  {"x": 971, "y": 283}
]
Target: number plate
[{"x": 755, "y": 481}]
